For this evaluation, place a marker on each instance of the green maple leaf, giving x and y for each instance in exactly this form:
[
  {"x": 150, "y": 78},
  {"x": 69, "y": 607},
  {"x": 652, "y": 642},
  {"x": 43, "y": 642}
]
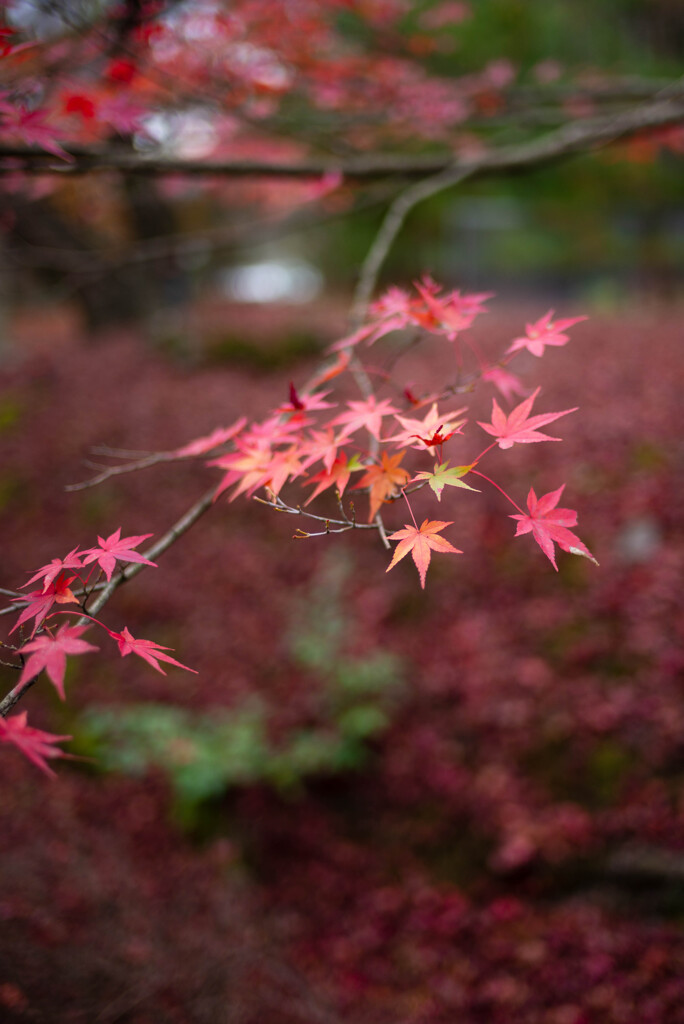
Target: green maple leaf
[{"x": 443, "y": 477}]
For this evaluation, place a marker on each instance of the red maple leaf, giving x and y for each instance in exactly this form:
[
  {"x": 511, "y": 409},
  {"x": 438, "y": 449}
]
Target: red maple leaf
[
  {"x": 49, "y": 653},
  {"x": 33, "y": 743},
  {"x": 517, "y": 428},
  {"x": 322, "y": 445},
  {"x": 146, "y": 649},
  {"x": 116, "y": 548},
  {"x": 548, "y": 524},
  {"x": 421, "y": 543},
  {"x": 337, "y": 476}
]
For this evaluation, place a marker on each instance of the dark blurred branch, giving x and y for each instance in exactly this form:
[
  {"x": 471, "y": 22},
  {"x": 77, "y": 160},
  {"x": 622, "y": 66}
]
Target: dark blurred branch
[
  {"x": 572, "y": 138},
  {"x": 667, "y": 108}
]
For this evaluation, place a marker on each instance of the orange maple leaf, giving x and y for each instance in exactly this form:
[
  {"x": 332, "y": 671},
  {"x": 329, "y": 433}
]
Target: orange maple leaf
[
  {"x": 421, "y": 542},
  {"x": 383, "y": 481}
]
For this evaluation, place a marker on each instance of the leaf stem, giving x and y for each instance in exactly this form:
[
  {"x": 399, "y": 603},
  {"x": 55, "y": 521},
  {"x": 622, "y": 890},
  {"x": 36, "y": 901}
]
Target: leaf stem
[
  {"x": 507, "y": 496},
  {"x": 410, "y": 509}
]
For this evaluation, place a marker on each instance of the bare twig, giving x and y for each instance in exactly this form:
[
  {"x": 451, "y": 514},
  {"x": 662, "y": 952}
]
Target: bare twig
[
  {"x": 279, "y": 505},
  {"x": 130, "y": 467}
]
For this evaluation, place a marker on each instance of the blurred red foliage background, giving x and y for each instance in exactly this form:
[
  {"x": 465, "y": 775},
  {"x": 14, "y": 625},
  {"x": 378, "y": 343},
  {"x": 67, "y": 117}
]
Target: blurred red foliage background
[{"x": 510, "y": 847}]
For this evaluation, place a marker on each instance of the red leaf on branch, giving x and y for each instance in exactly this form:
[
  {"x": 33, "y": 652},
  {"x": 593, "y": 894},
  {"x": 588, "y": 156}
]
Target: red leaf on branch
[
  {"x": 49, "y": 653},
  {"x": 548, "y": 524},
  {"x": 337, "y": 476},
  {"x": 116, "y": 548},
  {"x": 33, "y": 743},
  {"x": 146, "y": 649},
  {"x": 39, "y": 602},
  {"x": 421, "y": 543}
]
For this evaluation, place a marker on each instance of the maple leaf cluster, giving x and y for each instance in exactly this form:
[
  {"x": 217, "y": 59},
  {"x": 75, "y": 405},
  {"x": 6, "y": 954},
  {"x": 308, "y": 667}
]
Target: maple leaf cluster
[
  {"x": 313, "y": 441},
  {"x": 48, "y": 646},
  {"x": 393, "y": 445}
]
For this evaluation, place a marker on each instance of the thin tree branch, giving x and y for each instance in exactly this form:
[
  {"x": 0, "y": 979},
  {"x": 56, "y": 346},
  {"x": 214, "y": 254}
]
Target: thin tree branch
[{"x": 181, "y": 526}]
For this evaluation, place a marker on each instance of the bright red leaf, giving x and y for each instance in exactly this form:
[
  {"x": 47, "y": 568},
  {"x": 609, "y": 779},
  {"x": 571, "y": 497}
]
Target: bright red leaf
[
  {"x": 49, "y": 653},
  {"x": 116, "y": 548},
  {"x": 548, "y": 524},
  {"x": 146, "y": 649},
  {"x": 33, "y": 743}
]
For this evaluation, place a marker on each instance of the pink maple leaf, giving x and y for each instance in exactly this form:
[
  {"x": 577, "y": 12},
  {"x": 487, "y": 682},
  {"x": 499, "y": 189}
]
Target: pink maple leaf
[
  {"x": 322, "y": 445},
  {"x": 517, "y": 428},
  {"x": 368, "y": 414},
  {"x": 433, "y": 420},
  {"x": 146, "y": 649},
  {"x": 421, "y": 542},
  {"x": 33, "y": 743},
  {"x": 548, "y": 524},
  {"x": 49, "y": 653},
  {"x": 272, "y": 431},
  {"x": 116, "y": 548},
  {"x": 507, "y": 383},
  {"x": 545, "y": 331}
]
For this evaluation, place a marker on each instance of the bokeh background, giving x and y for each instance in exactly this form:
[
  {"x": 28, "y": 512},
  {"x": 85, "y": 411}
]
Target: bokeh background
[{"x": 372, "y": 804}]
